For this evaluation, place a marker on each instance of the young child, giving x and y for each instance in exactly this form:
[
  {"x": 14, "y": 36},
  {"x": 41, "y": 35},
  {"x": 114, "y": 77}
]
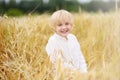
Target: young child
[{"x": 64, "y": 45}]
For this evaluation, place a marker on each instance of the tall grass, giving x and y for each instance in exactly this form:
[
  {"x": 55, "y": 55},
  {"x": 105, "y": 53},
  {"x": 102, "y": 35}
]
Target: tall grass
[{"x": 23, "y": 41}]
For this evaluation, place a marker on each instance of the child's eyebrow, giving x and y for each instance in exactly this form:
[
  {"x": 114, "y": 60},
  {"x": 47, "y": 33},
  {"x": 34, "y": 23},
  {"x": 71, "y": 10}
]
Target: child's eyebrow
[
  {"x": 67, "y": 23},
  {"x": 60, "y": 24}
]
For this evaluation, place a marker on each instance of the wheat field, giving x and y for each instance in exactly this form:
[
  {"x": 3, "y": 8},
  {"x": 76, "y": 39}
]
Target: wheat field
[{"x": 23, "y": 41}]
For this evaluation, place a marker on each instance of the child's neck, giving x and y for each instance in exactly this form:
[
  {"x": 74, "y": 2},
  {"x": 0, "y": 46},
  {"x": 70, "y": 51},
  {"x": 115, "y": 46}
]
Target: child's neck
[{"x": 65, "y": 37}]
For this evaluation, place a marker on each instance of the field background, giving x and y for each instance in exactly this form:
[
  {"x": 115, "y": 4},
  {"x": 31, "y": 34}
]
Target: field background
[{"x": 23, "y": 41}]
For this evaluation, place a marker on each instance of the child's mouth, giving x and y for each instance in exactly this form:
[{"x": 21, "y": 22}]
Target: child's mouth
[{"x": 64, "y": 31}]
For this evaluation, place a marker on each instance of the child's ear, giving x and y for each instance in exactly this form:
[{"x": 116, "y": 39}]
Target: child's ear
[{"x": 72, "y": 26}]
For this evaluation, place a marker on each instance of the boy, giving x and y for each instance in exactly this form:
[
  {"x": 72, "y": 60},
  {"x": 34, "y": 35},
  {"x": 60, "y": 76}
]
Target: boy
[{"x": 64, "y": 45}]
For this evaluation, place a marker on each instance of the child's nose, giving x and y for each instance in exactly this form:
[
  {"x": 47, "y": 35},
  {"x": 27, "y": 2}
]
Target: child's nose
[{"x": 64, "y": 26}]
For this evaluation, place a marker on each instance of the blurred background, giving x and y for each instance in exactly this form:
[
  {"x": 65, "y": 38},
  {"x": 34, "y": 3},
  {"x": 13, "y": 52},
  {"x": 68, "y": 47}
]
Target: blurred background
[
  {"x": 25, "y": 30},
  {"x": 22, "y": 7}
]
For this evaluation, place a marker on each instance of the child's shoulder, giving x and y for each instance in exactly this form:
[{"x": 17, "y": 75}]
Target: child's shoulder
[
  {"x": 52, "y": 38},
  {"x": 72, "y": 35}
]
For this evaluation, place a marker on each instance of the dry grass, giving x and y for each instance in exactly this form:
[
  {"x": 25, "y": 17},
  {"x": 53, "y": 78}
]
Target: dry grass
[{"x": 23, "y": 40}]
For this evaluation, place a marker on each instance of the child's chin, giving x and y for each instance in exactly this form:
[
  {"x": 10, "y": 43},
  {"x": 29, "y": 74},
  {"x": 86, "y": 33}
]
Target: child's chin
[{"x": 65, "y": 35}]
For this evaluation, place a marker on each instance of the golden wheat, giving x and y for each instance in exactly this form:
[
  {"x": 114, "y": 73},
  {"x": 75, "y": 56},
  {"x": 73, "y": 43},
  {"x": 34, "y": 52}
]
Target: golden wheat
[{"x": 23, "y": 40}]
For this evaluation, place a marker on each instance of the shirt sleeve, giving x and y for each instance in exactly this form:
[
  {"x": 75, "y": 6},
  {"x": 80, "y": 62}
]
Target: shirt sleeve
[
  {"x": 79, "y": 58},
  {"x": 50, "y": 49}
]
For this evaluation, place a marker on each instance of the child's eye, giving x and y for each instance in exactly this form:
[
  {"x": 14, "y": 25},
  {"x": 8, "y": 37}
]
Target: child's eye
[
  {"x": 66, "y": 23},
  {"x": 59, "y": 24}
]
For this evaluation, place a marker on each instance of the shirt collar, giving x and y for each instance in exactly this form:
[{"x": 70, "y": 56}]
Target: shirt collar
[{"x": 60, "y": 37}]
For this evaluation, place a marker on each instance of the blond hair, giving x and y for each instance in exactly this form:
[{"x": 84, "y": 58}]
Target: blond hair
[{"x": 59, "y": 17}]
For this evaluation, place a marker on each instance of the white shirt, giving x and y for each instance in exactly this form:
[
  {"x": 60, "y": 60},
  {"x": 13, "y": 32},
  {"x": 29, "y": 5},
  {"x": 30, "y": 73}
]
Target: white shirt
[{"x": 68, "y": 50}]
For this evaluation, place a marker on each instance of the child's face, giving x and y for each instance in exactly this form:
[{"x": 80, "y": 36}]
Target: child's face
[{"x": 63, "y": 29}]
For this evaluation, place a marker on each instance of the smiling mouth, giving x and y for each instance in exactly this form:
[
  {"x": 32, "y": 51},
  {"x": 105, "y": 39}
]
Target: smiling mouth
[{"x": 64, "y": 31}]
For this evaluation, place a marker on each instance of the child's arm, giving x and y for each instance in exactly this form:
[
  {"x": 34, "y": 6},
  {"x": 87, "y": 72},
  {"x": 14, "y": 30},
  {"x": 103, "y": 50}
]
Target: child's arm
[
  {"x": 52, "y": 50},
  {"x": 82, "y": 63},
  {"x": 79, "y": 58}
]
